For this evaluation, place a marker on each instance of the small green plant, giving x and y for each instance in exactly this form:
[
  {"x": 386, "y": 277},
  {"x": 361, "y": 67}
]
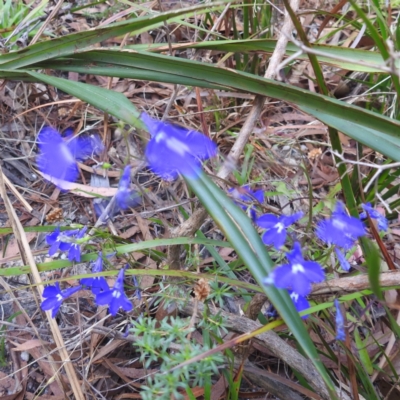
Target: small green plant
[
  {"x": 169, "y": 345},
  {"x": 18, "y": 20}
]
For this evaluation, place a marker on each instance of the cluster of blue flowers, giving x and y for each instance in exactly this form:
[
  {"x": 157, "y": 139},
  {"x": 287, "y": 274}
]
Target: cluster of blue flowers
[
  {"x": 171, "y": 151},
  {"x": 114, "y": 297}
]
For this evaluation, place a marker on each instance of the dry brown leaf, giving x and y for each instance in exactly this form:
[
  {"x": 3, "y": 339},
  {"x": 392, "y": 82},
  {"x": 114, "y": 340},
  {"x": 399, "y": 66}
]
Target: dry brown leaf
[{"x": 30, "y": 344}]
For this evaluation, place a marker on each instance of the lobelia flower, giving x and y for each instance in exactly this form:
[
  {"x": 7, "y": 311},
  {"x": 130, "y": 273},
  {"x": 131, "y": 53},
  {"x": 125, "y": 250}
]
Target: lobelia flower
[
  {"x": 340, "y": 334},
  {"x": 342, "y": 260},
  {"x": 57, "y": 157},
  {"x": 54, "y": 296},
  {"x": 115, "y": 298},
  {"x": 341, "y": 229},
  {"x": 300, "y": 302},
  {"x": 60, "y": 240},
  {"x": 298, "y": 274},
  {"x": 174, "y": 150},
  {"x": 245, "y": 194},
  {"x": 374, "y": 214},
  {"x": 74, "y": 252},
  {"x": 276, "y": 227},
  {"x": 98, "y": 284}
]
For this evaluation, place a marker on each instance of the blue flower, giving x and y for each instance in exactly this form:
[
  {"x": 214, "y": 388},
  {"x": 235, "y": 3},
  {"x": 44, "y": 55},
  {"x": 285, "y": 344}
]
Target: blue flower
[
  {"x": 300, "y": 302},
  {"x": 298, "y": 274},
  {"x": 340, "y": 334},
  {"x": 74, "y": 252},
  {"x": 54, "y": 296},
  {"x": 98, "y": 284},
  {"x": 173, "y": 150},
  {"x": 276, "y": 227},
  {"x": 342, "y": 260},
  {"x": 60, "y": 240},
  {"x": 57, "y": 158},
  {"x": 245, "y": 194},
  {"x": 341, "y": 229},
  {"x": 115, "y": 298},
  {"x": 382, "y": 221}
]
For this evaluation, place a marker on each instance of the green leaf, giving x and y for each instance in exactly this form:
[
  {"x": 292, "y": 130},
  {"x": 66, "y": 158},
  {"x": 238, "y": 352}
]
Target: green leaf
[
  {"x": 363, "y": 352},
  {"x": 373, "y": 261},
  {"x": 341, "y": 57},
  {"x": 371, "y": 129},
  {"x": 111, "y": 102},
  {"x": 72, "y": 43}
]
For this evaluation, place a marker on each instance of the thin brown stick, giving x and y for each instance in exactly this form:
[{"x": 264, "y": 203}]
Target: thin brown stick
[{"x": 353, "y": 284}]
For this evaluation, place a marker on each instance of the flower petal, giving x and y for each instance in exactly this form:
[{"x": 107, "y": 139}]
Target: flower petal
[
  {"x": 55, "y": 158},
  {"x": 301, "y": 284},
  {"x": 49, "y": 303},
  {"x": 313, "y": 271},
  {"x": 51, "y": 291},
  {"x": 288, "y": 220},
  {"x": 342, "y": 260},
  {"x": 267, "y": 221},
  {"x": 105, "y": 298},
  {"x": 85, "y": 146},
  {"x": 174, "y": 150},
  {"x": 300, "y": 302},
  {"x": 275, "y": 238}
]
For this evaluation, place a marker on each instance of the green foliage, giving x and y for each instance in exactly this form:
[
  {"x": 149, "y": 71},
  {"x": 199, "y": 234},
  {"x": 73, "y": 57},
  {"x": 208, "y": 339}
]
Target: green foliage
[
  {"x": 15, "y": 13},
  {"x": 155, "y": 340}
]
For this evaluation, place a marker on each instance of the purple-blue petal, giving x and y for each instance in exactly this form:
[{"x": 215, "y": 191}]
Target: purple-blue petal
[
  {"x": 51, "y": 238},
  {"x": 121, "y": 302},
  {"x": 70, "y": 291},
  {"x": 342, "y": 260},
  {"x": 274, "y": 237},
  {"x": 313, "y": 271},
  {"x": 330, "y": 234},
  {"x": 55, "y": 158},
  {"x": 382, "y": 221},
  {"x": 300, "y": 302},
  {"x": 104, "y": 298},
  {"x": 340, "y": 333},
  {"x": 288, "y": 220},
  {"x": 267, "y": 221},
  {"x": 173, "y": 150},
  {"x": 51, "y": 290},
  {"x": 87, "y": 282},
  {"x": 301, "y": 284},
  {"x": 341, "y": 229},
  {"x": 64, "y": 246},
  {"x": 84, "y": 146},
  {"x": 99, "y": 285},
  {"x": 74, "y": 253},
  {"x": 54, "y": 248},
  {"x": 295, "y": 256},
  {"x": 283, "y": 277}
]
